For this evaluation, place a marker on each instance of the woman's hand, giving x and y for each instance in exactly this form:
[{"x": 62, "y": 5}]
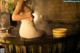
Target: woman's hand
[{"x": 28, "y": 16}]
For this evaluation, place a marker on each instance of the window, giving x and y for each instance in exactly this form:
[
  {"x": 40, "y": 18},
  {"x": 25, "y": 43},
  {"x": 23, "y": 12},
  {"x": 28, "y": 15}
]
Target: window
[{"x": 71, "y": 0}]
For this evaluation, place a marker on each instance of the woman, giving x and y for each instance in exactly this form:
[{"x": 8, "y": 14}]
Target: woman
[{"x": 23, "y": 13}]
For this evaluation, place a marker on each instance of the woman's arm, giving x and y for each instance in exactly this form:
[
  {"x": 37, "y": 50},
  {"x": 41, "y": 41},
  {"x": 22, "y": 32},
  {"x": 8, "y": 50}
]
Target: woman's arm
[{"x": 16, "y": 16}]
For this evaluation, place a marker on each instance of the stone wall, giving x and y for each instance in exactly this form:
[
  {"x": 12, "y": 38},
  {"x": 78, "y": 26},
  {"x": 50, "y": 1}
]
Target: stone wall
[
  {"x": 63, "y": 11},
  {"x": 61, "y": 14}
]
